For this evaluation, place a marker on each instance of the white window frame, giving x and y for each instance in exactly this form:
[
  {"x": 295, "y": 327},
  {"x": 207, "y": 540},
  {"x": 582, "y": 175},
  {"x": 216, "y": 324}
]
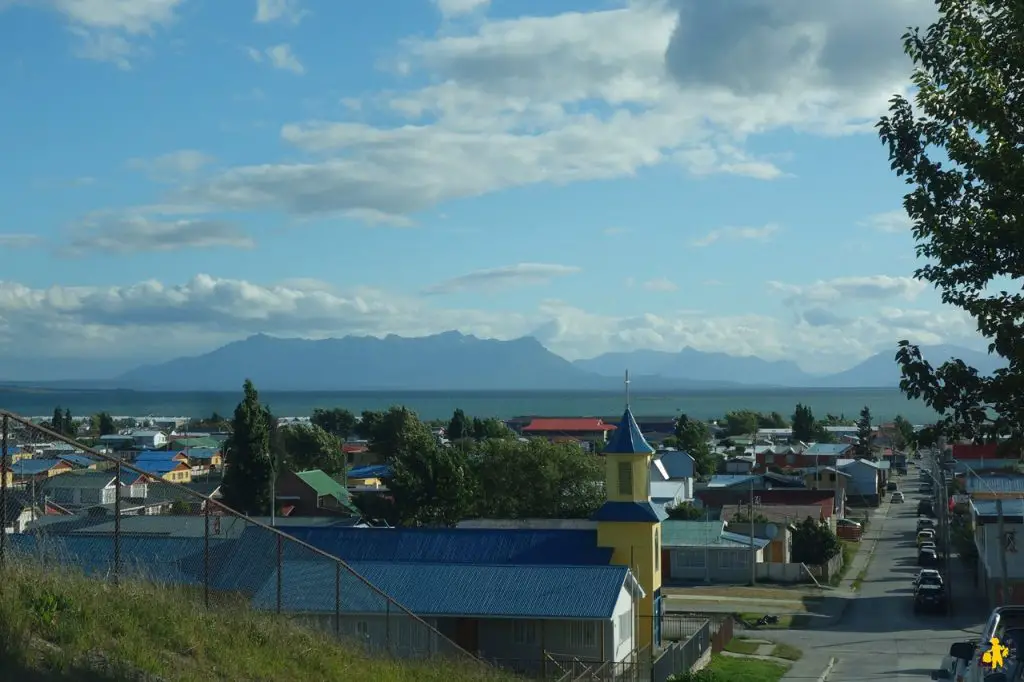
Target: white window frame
[
  {"x": 582, "y": 634},
  {"x": 625, "y": 627}
]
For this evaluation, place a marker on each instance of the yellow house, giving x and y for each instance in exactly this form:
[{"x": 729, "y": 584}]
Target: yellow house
[
  {"x": 168, "y": 470},
  {"x": 630, "y": 524}
]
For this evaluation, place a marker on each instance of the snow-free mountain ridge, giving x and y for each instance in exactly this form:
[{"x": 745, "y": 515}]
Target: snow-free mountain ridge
[{"x": 455, "y": 361}]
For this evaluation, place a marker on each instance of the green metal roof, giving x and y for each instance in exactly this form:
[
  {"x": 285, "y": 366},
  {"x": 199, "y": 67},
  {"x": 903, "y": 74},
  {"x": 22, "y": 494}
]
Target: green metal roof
[
  {"x": 324, "y": 485},
  {"x": 692, "y": 533},
  {"x": 203, "y": 442}
]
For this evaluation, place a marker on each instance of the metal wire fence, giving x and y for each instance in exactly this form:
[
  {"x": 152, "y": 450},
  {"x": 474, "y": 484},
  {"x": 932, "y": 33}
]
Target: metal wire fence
[{"x": 158, "y": 520}]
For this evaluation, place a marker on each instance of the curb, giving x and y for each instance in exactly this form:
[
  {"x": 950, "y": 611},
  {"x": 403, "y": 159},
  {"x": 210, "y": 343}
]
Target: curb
[{"x": 828, "y": 669}]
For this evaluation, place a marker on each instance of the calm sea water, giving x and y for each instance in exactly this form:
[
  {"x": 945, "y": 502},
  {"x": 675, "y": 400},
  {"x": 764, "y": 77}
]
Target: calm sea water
[{"x": 884, "y": 403}]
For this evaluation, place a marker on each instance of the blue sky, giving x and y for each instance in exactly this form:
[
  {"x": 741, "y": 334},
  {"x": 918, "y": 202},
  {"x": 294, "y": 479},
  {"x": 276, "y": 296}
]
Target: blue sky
[{"x": 606, "y": 175}]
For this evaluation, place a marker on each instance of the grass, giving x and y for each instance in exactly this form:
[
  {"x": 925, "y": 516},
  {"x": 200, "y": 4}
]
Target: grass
[
  {"x": 61, "y": 627},
  {"x": 786, "y": 651},
  {"x": 739, "y": 645},
  {"x": 849, "y": 551},
  {"x": 746, "y": 669}
]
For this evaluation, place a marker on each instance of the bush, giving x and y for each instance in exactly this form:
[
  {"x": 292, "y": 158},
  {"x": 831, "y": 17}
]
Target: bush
[{"x": 703, "y": 675}]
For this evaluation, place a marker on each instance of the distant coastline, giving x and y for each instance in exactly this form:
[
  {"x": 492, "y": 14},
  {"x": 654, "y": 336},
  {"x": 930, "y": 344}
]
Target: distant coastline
[{"x": 885, "y": 403}]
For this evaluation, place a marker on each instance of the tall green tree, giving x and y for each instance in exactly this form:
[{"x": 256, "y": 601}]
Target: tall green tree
[
  {"x": 491, "y": 428},
  {"x": 307, "y": 446},
  {"x": 805, "y": 428},
  {"x": 69, "y": 427},
  {"x": 814, "y": 543},
  {"x": 432, "y": 485},
  {"x": 773, "y": 420},
  {"x": 459, "y": 426},
  {"x": 959, "y": 148},
  {"x": 693, "y": 437},
  {"x": 686, "y": 511},
  {"x": 337, "y": 421},
  {"x": 57, "y": 420},
  {"x": 247, "y": 477},
  {"x": 865, "y": 435},
  {"x": 742, "y": 422},
  {"x": 369, "y": 420},
  {"x": 394, "y": 429},
  {"x": 103, "y": 424},
  {"x": 904, "y": 435}
]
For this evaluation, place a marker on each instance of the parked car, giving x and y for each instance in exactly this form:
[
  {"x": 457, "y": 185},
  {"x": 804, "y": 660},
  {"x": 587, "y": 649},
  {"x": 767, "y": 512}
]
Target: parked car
[
  {"x": 892, "y": 486},
  {"x": 927, "y": 557},
  {"x": 924, "y": 508},
  {"x": 925, "y": 535},
  {"x": 925, "y": 523},
  {"x": 897, "y": 498},
  {"x": 929, "y": 598},
  {"x": 1002, "y": 624},
  {"x": 927, "y": 576}
]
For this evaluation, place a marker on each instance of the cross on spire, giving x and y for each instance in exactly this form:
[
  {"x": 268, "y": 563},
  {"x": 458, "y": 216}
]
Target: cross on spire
[{"x": 627, "y": 389}]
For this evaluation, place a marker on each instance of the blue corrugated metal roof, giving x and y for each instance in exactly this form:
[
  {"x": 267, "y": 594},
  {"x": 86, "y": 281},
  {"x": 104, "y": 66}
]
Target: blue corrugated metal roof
[
  {"x": 1013, "y": 507},
  {"x": 459, "y": 545},
  {"x": 79, "y": 460},
  {"x": 740, "y": 539},
  {"x": 627, "y": 439},
  {"x": 630, "y": 512},
  {"x": 156, "y": 455},
  {"x": 372, "y": 471},
  {"x": 729, "y": 480},
  {"x": 157, "y": 467},
  {"x": 572, "y": 592},
  {"x": 30, "y": 467}
]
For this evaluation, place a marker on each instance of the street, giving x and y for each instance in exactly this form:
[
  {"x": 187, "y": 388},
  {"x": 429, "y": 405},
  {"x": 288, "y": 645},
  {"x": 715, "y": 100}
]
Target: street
[{"x": 879, "y": 637}]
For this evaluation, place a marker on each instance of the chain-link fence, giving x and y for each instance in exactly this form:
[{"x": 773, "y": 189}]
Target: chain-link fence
[{"x": 157, "y": 519}]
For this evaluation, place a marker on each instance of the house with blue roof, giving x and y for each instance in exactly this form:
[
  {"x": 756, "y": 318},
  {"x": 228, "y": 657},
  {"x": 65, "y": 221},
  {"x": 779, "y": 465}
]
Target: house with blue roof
[
  {"x": 168, "y": 469},
  {"x": 706, "y": 550},
  {"x": 28, "y": 470},
  {"x": 985, "y": 514},
  {"x": 80, "y": 461},
  {"x": 672, "y": 475}
]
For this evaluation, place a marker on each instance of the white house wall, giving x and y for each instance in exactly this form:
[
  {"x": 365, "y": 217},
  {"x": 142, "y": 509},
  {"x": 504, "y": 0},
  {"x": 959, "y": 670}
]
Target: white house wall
[
  {"x": 988, "y": 550},
  {"x": 620, "y": 634}
]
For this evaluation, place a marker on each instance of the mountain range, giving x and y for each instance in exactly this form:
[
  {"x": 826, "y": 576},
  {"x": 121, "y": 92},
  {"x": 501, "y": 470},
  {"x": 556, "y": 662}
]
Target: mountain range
[{"x": 455, "y": 361}]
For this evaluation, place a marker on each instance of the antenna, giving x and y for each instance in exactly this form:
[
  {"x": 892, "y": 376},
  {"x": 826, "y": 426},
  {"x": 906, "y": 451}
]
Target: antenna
[{"x": 627, "y": 389}]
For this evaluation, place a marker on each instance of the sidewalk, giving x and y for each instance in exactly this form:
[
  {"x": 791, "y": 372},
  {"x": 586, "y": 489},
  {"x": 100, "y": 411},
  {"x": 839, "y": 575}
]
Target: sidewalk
[{"x": 810, "y": 669}]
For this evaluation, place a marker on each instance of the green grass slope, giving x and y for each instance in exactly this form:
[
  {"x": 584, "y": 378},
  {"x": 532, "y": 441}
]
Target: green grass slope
[{"x": 60, "y": 627}]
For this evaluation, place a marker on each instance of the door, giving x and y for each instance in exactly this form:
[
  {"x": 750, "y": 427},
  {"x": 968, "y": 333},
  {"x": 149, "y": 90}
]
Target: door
[
  {"x": 657, "y": 620},
  {"x": 467, "y": 634}
]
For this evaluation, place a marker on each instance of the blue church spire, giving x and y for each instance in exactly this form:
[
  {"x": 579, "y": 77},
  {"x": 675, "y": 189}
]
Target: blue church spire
[{"x": 628, "y": 439}]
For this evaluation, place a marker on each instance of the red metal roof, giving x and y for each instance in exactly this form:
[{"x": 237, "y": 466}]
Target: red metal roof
[
  {"x": 972, "y": 451},
  {"x": 354, "y": 447},
  {"x": 720, "y": 497},
  {"x": 578, "y": 425}
]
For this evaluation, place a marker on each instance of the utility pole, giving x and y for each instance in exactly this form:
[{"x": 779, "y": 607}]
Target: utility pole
[{"x": 753, "y": 563}]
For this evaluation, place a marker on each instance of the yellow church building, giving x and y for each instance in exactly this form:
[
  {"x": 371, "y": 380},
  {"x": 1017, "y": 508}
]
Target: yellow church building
[{"x": 630, "y": 525}]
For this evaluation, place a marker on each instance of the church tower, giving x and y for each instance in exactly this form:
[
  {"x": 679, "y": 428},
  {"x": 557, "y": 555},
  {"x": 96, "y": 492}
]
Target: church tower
[{"x": 629, "y": 523}]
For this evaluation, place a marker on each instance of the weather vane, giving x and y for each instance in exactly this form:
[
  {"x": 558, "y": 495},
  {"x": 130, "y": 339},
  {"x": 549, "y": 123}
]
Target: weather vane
[{"x": 627, "y": 388}]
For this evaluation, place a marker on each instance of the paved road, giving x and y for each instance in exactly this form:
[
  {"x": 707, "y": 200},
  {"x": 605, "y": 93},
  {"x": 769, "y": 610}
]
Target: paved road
[{"x": 879, "y": 637}]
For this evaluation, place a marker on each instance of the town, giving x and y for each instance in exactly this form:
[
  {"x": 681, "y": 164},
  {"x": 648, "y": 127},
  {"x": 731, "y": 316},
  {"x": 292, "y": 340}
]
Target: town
[{"x": 554, "y": 547}]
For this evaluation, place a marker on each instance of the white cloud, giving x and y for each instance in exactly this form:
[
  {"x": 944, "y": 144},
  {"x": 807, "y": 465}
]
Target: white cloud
[
  {"x": 454, "y": 8},
  {"x": 661, "y": 284},
  {"x": 511, "y": 103},
  {"x": 873, "y": 287},
  {"x": 737, "y": 234},
  {"x": 280, "y": 57},
  {"x": 137, "y": 233},
  {"x": 164, "y": 319},
  {"x": 109, "y": 30},
  {"x": 287, "y": 11},
  {"x": 18, "y": 241},
  {"x": 890, "y": 221},
  {"x": 173, "y": 165},
  {"x": 495, "y": 279}
]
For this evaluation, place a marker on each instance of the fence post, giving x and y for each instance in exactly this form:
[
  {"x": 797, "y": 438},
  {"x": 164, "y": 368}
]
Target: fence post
[
  {"x": 387, "y": 626},
  {"x": 206, "y": 554},
  {"x": 337, "y": 599},
  {"x": 280, "y": 570},
  {"x": 117, "y": 522},
  {"x": 4, "y": 468}
]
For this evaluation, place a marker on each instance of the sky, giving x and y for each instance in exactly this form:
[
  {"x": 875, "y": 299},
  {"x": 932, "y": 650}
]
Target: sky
[{"x": 604, "y": 175}]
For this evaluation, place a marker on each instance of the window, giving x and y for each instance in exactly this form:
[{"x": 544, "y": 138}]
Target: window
[
  {"x": 582, "y": 635},
  {"x": 625, "y": 627},
  {"x": 730, "y": 559},
  {"x": 524, "y": 632},
  {"x": 689, "y": 558},
  {"x": 362, "y": 629},
  {"x": 657, "y": 550},
  {"x": 626, "y": 478}
]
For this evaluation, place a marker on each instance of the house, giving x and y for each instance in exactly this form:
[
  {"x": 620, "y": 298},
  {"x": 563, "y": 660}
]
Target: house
[
  {"x": 80, "y": 461},
  {"x": 739, "y": 465},
  {"x": 796, "y": 497},
  {"x": 19, "y": 513},
  {"x": 981, "y": 457},
  {"x": 705, "y": 550},
  {"x": 589, "y": 429},
  {"x": 798, "y": 457},
  {"x": 204, "y": 458},
  {"x": 778, "y": 457},
  {"x": 985, "y": 514},
  {"x": 313, "y": 493},
  {"x": 80, "y": 488},
  {"x": 161, "y": 456},
  {"x": 830, "y": 478},
  {"x": 149, "y": 440},
  {"x": 358, "y": 454},
  {"x": 993, "y": 486},
  {"x": 369, "y": 478},
  {"x": 27, "y": 470},
  {"x": 170, "y": 470},
  {"x": 672, "y": 475},
  {"x": 196, "y": 441},
  {"x": 866, "y": 483},
  {"x": 780, "y": 539}
]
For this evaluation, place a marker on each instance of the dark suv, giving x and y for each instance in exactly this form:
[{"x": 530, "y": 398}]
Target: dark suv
[{"x": 929, "y": 598}]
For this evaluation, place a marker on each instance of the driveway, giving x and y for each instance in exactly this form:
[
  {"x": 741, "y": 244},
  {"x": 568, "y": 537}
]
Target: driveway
[{"x": 879, "y": 637}]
